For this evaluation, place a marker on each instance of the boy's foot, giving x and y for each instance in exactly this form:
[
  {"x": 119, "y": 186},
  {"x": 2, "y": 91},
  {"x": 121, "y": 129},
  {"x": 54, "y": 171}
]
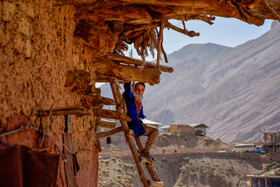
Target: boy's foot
[{"x": 148, "y": 156}]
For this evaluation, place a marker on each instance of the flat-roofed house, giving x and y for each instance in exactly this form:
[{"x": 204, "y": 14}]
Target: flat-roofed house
[
  {"x": 164, "y": 129},
  {"x": 200, "y": 128},
  {"x": 271, "y": 141},
  {"x": 182, "y": 129}
]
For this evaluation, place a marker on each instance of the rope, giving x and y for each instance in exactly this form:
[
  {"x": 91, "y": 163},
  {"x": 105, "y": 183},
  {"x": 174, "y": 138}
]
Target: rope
[
  {"x": 28, "y": 126},
  {"x": 67, "y": 149}
]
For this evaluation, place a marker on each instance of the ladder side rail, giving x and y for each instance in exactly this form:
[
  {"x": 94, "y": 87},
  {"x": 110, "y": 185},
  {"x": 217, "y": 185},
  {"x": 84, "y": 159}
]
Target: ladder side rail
[
  {"x": 149, "y": 166},
  {"x": 116, "y": 93}
]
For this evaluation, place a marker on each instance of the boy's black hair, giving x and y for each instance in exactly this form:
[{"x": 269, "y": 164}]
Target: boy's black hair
[{"x": 142, "y": 83}]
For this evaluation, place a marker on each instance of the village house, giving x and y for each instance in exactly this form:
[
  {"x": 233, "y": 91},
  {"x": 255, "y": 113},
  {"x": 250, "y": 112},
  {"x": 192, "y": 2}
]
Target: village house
[
  {"x": 271, "y": 141},
  {"x": 182, "y": 129},
  {"x": 185, "y": 129},
  {"x": 164, "y": 129},
  {"x": 200, "y": 128}
]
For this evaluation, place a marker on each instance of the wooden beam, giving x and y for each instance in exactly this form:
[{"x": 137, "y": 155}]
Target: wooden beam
[
  {"x": 107, "y": 124},
  {"x": 110, "y": 114},
  {"x": 77, "y": 112},
  {"x": 97, "y": 99},
  {"x": 127, "y": 73},
  {"x": 109, "y": 132},
  {"x": 104, "y": 78},
  {"x": 137, "y": 62}
]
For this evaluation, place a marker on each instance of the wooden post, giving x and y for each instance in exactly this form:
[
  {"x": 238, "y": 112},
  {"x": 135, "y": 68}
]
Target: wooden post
[{"x": 68, "y": 152}]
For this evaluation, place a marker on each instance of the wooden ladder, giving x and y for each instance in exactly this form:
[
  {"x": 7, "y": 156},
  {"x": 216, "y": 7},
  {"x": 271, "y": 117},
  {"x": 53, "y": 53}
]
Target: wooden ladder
[{"x": 121, "y": 107}]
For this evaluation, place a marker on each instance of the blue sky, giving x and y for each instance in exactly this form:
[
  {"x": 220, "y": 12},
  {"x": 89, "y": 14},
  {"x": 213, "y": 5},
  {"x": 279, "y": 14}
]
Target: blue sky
[{"x": 229, "y": 32}]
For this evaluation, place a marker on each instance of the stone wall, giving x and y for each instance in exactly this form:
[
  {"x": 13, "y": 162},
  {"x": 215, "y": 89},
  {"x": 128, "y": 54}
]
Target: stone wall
[{"x": 37, "y": 49}]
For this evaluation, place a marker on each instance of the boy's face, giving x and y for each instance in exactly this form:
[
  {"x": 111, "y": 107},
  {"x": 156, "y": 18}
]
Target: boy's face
[{"x": 139, "y": 89}]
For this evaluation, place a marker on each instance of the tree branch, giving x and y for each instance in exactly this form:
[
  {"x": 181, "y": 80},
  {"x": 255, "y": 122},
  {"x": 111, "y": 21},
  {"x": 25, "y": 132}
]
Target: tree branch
[{"x": 186, "y": 32}]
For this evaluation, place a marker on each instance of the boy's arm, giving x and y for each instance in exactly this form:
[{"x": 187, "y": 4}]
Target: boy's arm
[{"x": 127, "y": 90}]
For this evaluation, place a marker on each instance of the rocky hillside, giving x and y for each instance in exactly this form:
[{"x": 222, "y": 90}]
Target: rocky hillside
[
  {"x": 214, "y": 170},
  {"x": 166, "y": 141}
]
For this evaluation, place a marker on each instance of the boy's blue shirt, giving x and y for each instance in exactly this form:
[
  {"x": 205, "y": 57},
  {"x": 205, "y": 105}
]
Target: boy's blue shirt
[{"x": 135, "y": 124}]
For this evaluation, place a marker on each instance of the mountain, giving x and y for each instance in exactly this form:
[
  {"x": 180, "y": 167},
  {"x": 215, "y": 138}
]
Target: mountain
[
  {"x": 234, "y": 91},
  {"x": 183, "y": 84}
]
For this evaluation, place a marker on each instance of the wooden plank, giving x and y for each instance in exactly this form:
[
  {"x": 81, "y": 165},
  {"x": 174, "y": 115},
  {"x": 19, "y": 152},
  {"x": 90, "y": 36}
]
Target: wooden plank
[
  {"x": 107, "y": 124},
  {"x": 68, "y": 166},
  {"x": 103, "y": 113},
  {"x": 97, "y": 99},
  {"x": 109, "y": 132}
]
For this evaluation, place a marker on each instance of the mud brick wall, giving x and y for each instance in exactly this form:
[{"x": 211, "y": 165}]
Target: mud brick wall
[{"x": 37, "y": 49}]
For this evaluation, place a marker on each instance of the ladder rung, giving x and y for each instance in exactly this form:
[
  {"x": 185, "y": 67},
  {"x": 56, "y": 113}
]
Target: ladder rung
[
  {"x": 144, "y": 160},
  {"x": 156, "y": 184}
]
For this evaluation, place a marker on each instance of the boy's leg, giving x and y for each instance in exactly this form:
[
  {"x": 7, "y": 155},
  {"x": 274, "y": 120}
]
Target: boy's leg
[{"x": 152, "y": 133}]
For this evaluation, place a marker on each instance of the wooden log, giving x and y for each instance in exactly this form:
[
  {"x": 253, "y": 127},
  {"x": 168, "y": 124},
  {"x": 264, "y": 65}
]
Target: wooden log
[
  {"x": 109, "y": 132},
  {"x": 104, "y": 78},
  {"x": 107, "y": 124},
  {"x": 110, "y": 114},
  {"x": 97, "y": 99},
  {"x": 127, "y": 73},
  {"x": 137, "y": 62},
  {"x": 76, "y": 110}
]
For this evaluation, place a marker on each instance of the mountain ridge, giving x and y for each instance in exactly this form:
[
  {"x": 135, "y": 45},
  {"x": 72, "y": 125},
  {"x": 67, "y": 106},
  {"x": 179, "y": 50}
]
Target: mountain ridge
[
  {"x": 232, "y": 90},
  {"x": 230, "y": 93}
]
